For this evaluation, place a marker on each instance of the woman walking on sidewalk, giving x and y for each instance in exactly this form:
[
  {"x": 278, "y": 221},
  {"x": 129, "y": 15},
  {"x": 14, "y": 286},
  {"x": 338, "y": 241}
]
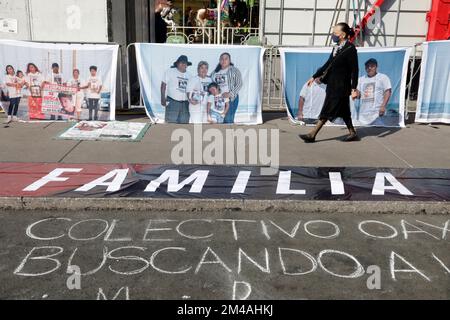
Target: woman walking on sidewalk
[{"x": 340, "y": 74}]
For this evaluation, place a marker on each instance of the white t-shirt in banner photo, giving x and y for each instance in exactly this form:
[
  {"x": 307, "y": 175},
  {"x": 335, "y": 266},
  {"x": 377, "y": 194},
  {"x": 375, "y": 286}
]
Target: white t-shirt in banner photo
[
  {"x": 217, "y": 103},
  {"x": 221, "y": 78},
  {"x": 12, "y": 91},
  {"x": 35, "y": 80},
  {"x": 176, "y": 82},
  {"x": 94, "y": 85},
  {"x": 55, "y": 78},
  {"x": 314, "y": 98},
  {"x": 77, "y": 83},
  {"x": 372, "y": 96},
  {"x": 197, "y": 88}
]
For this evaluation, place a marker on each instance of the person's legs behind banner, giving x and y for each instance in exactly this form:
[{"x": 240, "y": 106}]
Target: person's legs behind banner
[
  {"x": 229, "y": 118},
  {"x": 184, "y": 115},
  {"x": 173, "y": 109}
]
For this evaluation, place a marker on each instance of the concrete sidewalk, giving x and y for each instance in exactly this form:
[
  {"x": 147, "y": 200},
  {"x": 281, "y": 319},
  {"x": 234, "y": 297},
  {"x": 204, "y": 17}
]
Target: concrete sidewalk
[{"x": 417, "y": 146}]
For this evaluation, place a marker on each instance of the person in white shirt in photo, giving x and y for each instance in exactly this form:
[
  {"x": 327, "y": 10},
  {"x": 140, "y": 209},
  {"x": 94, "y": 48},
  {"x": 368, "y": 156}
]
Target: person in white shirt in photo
[
  {"x": 55, "y": 77},
  {"x": 34, "y": 80},
  {"x": 173, "y": 91},
  {"x": 230, "y": 81},
  {"x": 374, "y": 92},
  {"x": 14, "y": 93},
  {"x": 218, "y": 105},
  {"x": 197, "y": 91},
  {"x": 78, "y": 83},
  {"x": 311, "y": 101},
  {"x": 94, "y": 87}
]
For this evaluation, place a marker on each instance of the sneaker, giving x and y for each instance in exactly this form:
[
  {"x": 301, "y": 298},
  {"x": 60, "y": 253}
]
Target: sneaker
[
  {"x": 15, "y": 119},
  {"x": 8, "y": 120},
  {"x": 307, "y": 138}
]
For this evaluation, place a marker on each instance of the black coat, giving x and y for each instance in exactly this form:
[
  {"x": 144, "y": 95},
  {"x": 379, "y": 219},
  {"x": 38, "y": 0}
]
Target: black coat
[{"x": 343, "y": 72}]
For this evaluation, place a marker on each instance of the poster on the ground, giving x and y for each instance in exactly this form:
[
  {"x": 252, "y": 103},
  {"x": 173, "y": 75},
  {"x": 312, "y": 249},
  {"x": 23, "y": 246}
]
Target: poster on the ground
[
  {"x": 109, "y": 131},
  {"x": 381, "y": 85},
  {"x": 48, "y": 81},
  {"x": 201, "y": 83},
  {"x": 433, "y": 101}
]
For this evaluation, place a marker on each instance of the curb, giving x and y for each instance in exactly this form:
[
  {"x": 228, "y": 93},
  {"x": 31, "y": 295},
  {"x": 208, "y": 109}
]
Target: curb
[{"x": 212, "y": 205}]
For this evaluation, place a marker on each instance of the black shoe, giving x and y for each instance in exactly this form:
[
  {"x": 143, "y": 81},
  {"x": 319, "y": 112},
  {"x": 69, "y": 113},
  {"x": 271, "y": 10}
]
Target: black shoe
[
  {"x": 351, "y": 137},
  {"x": 307, "y": 138}
]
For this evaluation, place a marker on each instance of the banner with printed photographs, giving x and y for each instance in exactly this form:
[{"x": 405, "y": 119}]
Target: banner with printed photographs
[
  {"x": 47, "y": 81},
  {"x": 381, "y": 85},
  {"x": 433, "y": 100},
  {"x": 201, "y": 83}
]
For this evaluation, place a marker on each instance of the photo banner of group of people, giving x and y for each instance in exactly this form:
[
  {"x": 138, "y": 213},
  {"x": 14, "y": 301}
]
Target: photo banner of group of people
[
  {"x": 48, "y": 81},
  {"x": 201, "y": 83},
  {"x": 433, "y": 101},
  {"x": 381, "y": 85}
]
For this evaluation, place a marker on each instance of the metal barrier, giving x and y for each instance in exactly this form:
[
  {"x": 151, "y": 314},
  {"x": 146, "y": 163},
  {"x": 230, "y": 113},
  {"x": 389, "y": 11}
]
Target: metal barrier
[
  {"x": 210, "y": 35},
  {"x": 273, "y": 89}
]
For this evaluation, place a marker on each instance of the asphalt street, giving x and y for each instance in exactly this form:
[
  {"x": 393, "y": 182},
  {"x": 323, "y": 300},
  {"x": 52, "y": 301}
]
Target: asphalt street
[{"x": 222, "y": 255}]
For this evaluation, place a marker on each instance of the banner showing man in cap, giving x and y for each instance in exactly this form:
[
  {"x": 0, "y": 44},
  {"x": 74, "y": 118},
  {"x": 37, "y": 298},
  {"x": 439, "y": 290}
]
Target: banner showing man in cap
[
  {"x": 173, "y": 91},
  {"x": 374, "y": 92}
]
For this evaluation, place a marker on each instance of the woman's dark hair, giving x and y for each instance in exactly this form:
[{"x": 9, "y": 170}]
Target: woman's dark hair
[
  {"x": 346, "y": 29},
  {"x": 32, "y": 64},
  {"x": 9, "y": 66},
  {"x": 219, "y": 67}
]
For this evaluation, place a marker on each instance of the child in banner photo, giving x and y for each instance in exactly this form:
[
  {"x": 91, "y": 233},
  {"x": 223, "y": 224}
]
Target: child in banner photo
[
  {"x": 218, "y": 105},
  {"x": 374, "y": 92},
  {"x": 67, "y": 106},
  {"x": 14, "y": 92},
  {"x": 311, "y": 101},
  {"x": 21, "y": 82},
  {"x": 229, "y": 79},
  {"x": 173, "y": 91},
  {"x": 94, "y": 87},
  {"x": 78, "y": 83},
  {"x": 197, "y": 91}
]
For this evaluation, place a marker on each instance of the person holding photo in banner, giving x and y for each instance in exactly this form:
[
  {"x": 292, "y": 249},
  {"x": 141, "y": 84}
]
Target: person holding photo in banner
[
  {"x": 340, "y": 74},
  {"x": 76, "y": 82},
  {"x": 197, "y": 91},
  {"x": 374, "y": 92},
  {"x": 218, "y": 106},
  {"x": 229, "y": 79},
  {"x": 34, "y": 80},
  {"x": 173, "y": 91},
  {"x": 55, "y": 77}
]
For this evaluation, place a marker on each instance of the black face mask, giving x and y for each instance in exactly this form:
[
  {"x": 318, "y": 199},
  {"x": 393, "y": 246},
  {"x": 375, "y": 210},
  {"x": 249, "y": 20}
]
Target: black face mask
[{"x": 335, "y": 38}]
